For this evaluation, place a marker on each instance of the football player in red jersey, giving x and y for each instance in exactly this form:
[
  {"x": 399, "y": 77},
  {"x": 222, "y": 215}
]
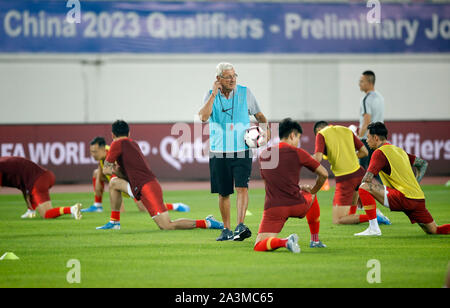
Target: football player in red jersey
[
  {"x": 284, "y": 196},
  {"x": 35, "y": 182},
  {"x": 400, "y": 190},
  {"x": 134, "y": 176}
]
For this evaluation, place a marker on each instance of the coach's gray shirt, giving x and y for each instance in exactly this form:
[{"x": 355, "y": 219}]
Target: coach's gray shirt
[{"x": 372, "y": 103}]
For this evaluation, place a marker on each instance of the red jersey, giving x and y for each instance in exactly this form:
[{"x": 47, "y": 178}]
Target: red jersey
[
  {"x": 133, "y": 163},
  {"x": 19, "y": 172},
  {"x": 281, "y": 183}
]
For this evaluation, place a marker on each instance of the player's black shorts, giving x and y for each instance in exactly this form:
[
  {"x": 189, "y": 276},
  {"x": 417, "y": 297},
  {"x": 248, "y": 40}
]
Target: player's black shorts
[{"x": 228, "y": 170}]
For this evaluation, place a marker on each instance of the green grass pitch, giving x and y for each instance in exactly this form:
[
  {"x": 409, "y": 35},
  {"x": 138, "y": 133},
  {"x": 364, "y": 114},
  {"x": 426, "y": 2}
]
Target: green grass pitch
[{"x": 141, "y": 255}]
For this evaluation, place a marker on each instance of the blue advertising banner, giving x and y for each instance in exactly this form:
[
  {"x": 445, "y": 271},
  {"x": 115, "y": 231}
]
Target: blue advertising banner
[{"x": 199, "y": 27}]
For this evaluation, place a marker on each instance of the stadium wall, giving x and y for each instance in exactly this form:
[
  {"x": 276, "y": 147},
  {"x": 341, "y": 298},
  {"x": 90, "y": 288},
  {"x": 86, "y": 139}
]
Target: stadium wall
[
  {"x": 179, "y": 151},
  {"x": 169, "y": 88}
]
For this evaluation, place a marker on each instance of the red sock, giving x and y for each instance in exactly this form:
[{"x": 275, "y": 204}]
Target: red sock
[
  {"x": 56, "y": 212},
  {"x": 369, "y": 204},
  {"x": 97, "y": 199},
  {"x": 200, "y": 224},
  {"x": 115, "y": 215},
  {"x": 444, "y": 229},
  {"x": 363, "y": 218},
  {"x": 352, "y": 210},
  {"x": 270, "y": 243},
  {"x": 169, "y": 206},
  {"x": 313, "y": 218}
]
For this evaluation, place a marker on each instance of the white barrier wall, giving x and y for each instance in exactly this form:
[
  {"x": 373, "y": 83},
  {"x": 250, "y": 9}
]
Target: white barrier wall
[{"x": 161, "y": 88}]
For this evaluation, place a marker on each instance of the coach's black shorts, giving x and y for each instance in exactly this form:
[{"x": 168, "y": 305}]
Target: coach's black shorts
[{"x": 228, "y": 170}]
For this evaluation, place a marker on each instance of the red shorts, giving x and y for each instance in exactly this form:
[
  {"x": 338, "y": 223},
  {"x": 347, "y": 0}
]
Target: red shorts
[
  {"x": 152, "y": 198},
  {"x": 346, "y": 189},
  {"x": 414, "y": 209},
  {"x": 275, "y": 217},
  {"x": 40, "y": 192}
]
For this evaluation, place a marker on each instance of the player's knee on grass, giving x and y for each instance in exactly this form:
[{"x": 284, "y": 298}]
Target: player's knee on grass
[
  {"x": 430, "y": 228},
  {"x": 163, "y": 221},
  {"x": 43, "y": 208},
  {"x": 339, "y": 212}
]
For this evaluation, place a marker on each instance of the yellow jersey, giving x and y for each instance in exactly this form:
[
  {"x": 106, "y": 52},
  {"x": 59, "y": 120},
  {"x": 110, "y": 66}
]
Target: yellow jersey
[
  {"x": 341, "y": 152},
  {"x": 402, "y": 176}
]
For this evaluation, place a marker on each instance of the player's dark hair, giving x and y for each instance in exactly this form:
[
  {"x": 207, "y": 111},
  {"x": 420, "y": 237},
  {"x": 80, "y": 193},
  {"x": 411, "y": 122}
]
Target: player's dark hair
[
  {"x": 120, "y": 128},
  {"x": 287, "y": 126},
  {"x": 318, "y": 125},
  {"x": 370, "y": 76},
  {"x": 99, "y": 140},
  {"x": 379, "y": 129}
]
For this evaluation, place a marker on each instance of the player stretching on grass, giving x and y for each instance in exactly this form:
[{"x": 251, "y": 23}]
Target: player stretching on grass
[
  {"x": 126, "y": 160},
  {"x": 284, "y": 197},
  {"x": 34, "y": 182},
  {"x": 342, "y": 149},
  {"x": 401, "y": 191},
  {"x": 99, "y": 149}
]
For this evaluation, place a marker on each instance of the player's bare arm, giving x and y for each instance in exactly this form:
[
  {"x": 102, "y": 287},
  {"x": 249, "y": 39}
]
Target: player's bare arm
[
  {"x": 322, "y": 176},
  {"x": 108, "y": 168},
  {"x": 206, "y": 110},
  {"x": 261, "y": 118},
  {"x": 421, "y": 166},
  {"x": 366, "y": 121},
  {"x": 118, "y": 171},
  {"x": 318, "y": 156},
  {"x": 362, "y": 152},
  {"x": 371, "y": 185}
]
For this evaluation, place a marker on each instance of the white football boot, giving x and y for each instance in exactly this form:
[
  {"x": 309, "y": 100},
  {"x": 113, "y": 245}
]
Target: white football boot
[{"x": 75, "y": 210}]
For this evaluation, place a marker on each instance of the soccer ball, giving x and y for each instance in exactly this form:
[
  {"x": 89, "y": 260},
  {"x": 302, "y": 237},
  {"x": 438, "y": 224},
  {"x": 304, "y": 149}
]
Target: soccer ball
[{"x": 255, "y": 137}]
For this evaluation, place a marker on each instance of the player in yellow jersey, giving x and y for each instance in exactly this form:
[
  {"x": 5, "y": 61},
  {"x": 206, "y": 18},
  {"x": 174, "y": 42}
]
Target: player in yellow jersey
[
  {"x": 401, "y": 190},
  {"x": 340, "y": 146},
  {"x": 99, "y": 150}
]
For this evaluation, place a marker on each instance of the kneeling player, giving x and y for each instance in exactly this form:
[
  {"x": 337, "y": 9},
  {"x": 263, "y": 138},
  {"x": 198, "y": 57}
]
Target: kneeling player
[
  {"x": 342, "y": 149},
  {"x": 126, "y": 158},
  {"x": 401, "y": 191},
  {"x": 284, "y": 197},
  {"x": 99, "y": 149},
  {"x": 34, "y": 182}
]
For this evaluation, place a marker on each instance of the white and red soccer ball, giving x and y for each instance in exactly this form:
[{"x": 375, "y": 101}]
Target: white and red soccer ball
[{"x": 255, "y": 137}]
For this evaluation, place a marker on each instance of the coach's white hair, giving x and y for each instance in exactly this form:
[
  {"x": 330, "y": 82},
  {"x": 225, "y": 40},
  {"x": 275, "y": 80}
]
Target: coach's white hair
[{"x": 223, "y": 66}]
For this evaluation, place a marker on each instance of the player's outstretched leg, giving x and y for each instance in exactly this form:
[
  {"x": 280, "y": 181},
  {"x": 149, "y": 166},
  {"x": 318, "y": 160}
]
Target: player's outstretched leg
[
  {"x": 271, "y": 243},
  {"x": 433, "y": 228},
  {"x": 313, "y": 218},
  {"x": 164, "y": 223},
  {"x": 48, "y": 212}
]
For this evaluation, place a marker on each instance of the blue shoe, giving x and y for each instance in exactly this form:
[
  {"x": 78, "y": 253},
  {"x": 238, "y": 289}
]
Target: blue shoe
[
  {"x": 110, "y": 225},
  {"x": 318, "y": 244},
  {"x": 93, "y": 209},
  {"x": 181, "y": 207},
  {"x": 382, "y": 220},
  {"x": 213, "y": 223}
]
